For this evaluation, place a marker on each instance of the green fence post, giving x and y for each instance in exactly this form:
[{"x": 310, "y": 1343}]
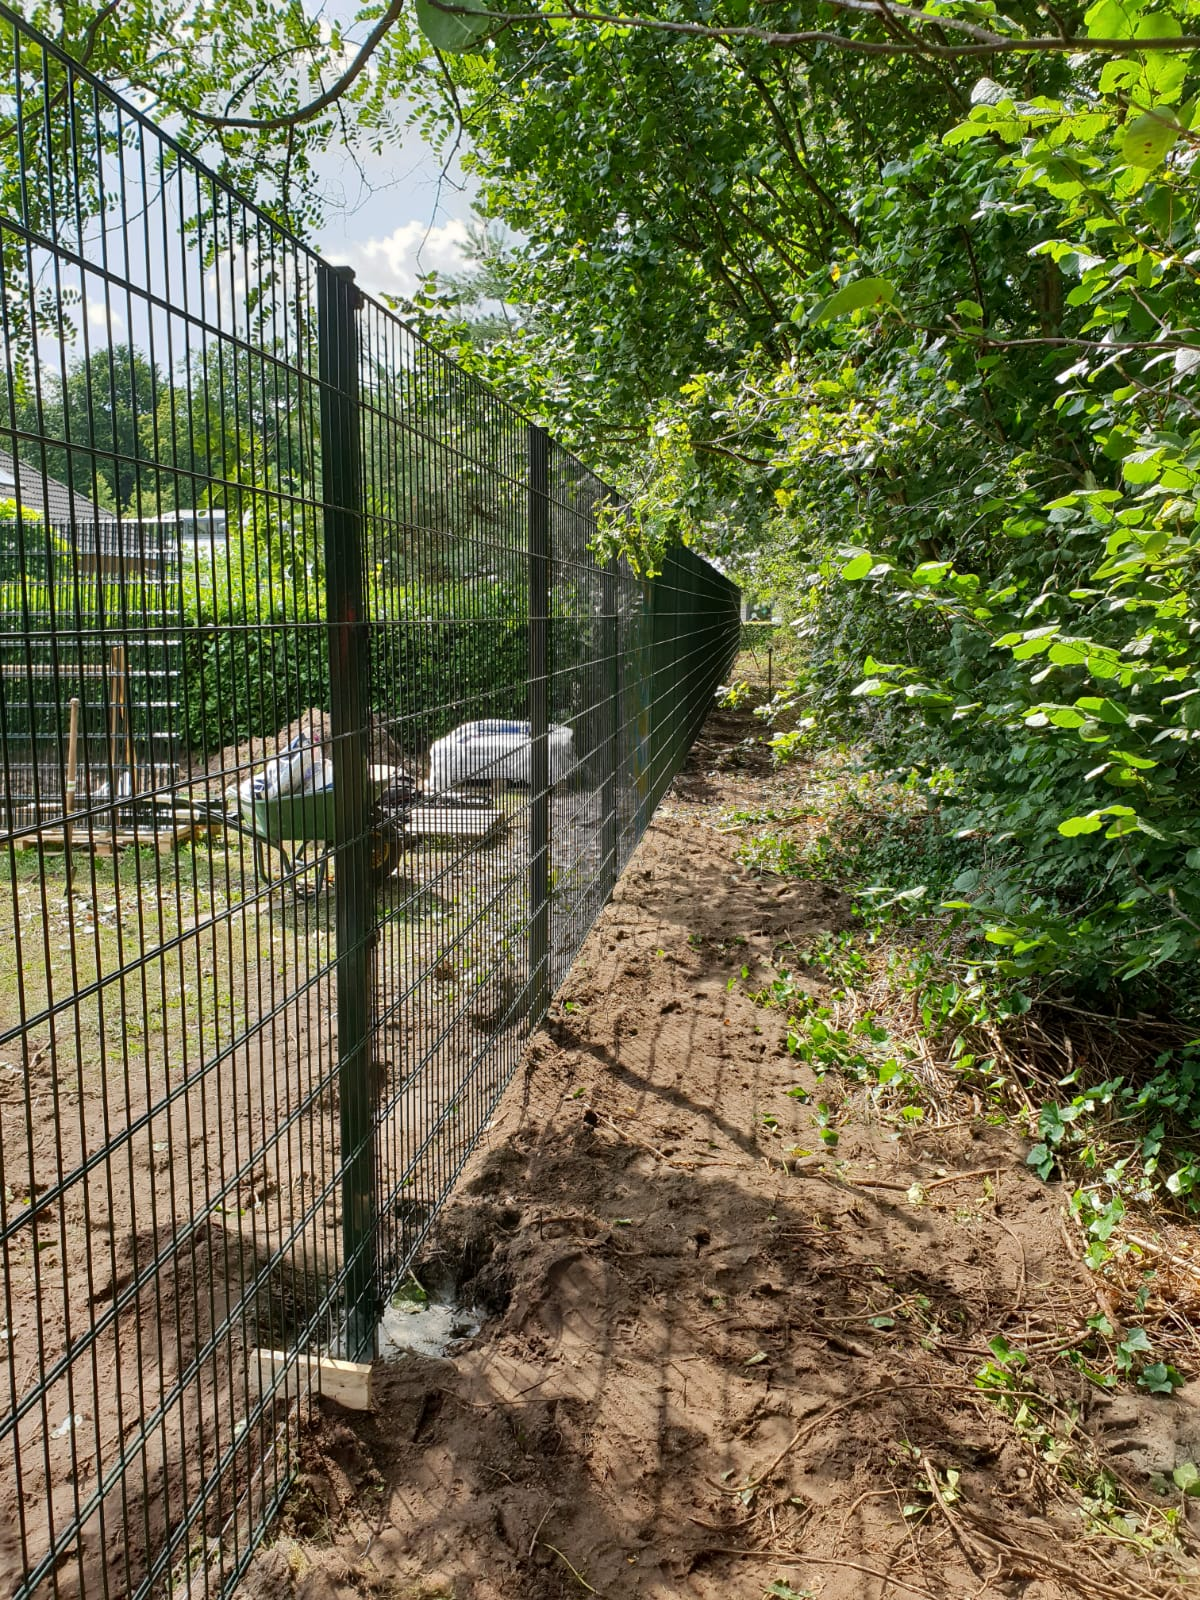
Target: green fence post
[
  {"x": 342, "y": 505},
  {"x": 647, "y": 713},
  {"x": 662, "y": 679},
  {"x": 539, "y": 724},
  {"x": 609, "y": 836}
]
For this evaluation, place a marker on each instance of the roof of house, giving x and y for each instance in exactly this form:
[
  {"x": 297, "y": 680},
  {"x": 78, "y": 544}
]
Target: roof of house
[{"x": 45, "y": 496}]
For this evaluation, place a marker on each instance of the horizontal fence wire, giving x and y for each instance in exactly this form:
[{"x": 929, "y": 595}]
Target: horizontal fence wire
[{"x": 325, "y": 735}]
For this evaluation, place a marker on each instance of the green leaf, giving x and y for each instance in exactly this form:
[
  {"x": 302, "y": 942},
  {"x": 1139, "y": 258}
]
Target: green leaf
[
  {"x": 1157, "y": 25},
  {"x": 1142, "y": 466},
  {"x": 1041, "y": 1159},
  {"x": 1108, "y": 19},
  {"x": 1050, "y": 1124},
  {"x": 1163, "y": 74},
  {"x": 987, "y": 92},
  {"x": 860, "y": 295},
  {"x": 1117, "y": 444},
  {"x": 1074, "y": 826},
  {"x": 1066, "y": 717},
  {"x": 1004, "y": 1354},
  {"x": 1148, "y": 138},
  {"x": 1104, "y": 710},
  {"x": 1160, "y": 1378},
  {"x": 1187, "y": 1477},
  {"x": 1068, "y": 655},
  {"x": 452, "y": 30},
  {"x": 931, "y": 572},
  {"x": 1119, "y": 75},
  {"x": 858, "y": 567}
]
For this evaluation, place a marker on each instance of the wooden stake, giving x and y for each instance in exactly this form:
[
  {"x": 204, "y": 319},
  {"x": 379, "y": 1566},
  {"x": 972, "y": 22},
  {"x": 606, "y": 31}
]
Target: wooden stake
[
  {"x": 114, "y": 667},
  {"x": 69, "y": 790},
  {"x": 126, "y": 724}
]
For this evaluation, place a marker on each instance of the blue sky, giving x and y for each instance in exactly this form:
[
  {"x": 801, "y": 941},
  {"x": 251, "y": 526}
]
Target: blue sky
[{"x": 395, "y": 215}]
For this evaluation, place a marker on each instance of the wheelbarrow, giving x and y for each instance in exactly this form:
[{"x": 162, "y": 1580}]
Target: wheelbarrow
[{"x": 300, "y": 828}]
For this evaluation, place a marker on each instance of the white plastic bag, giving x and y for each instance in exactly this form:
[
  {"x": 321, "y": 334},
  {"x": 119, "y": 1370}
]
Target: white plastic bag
[{"x": 494, "y": 749}]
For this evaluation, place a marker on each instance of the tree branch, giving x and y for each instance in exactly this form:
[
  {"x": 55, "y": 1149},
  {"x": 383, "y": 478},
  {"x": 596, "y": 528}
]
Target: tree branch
[
  {"x": 93, "y": 30},
  {"x": 1114, "y": 347},
  {"x": 987, "y": 44},
  {"x": 800, "y": 163},
  {"x": 979, "y": 42},
  {"x": 314, "y": 108}
]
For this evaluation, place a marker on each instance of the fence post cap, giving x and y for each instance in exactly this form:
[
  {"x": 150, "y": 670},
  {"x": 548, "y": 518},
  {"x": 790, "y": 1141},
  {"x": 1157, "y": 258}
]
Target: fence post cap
[{"x": 345, "y": 274}]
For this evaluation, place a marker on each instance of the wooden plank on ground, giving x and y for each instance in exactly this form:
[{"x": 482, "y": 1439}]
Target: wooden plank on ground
[
  {"x": 347, "y": 1382},
  {"x": 102, "y": 843},
  {"x": 452, "y": 822}
]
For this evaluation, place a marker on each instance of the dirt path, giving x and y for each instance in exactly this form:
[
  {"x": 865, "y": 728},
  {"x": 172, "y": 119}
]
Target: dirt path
[{"x": 713, "y": 1366}]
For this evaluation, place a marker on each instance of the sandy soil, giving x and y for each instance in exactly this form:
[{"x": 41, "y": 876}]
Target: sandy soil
[
  {"x": 139, "y": 1283},
  {"x": 692, "y": 1379}
]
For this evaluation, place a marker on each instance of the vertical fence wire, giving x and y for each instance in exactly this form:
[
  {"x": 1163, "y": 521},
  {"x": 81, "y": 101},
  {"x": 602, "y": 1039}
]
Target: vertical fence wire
[{"x": 325, "y": 735}]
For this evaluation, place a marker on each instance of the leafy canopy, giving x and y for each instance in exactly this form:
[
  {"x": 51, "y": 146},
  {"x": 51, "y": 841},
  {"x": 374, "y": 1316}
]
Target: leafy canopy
[
  {"x": 895, "y": 310},
  {"x": 912, "y": 342}
]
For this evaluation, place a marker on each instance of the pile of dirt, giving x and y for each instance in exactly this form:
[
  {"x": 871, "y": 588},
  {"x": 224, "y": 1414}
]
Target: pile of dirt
[{"x": 721, "y": 1362}]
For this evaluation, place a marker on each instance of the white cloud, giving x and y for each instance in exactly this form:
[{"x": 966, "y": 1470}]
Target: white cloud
[
  {"x": 104, "y": 316},
  {"x": 393, "y": 265}
]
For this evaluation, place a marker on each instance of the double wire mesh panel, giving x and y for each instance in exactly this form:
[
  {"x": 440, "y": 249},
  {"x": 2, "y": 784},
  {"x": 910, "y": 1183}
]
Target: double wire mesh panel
[{"x": 324, "y": 736}]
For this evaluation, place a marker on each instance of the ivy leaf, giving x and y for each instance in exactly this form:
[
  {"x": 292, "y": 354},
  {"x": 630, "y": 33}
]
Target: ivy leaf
[
  {"x": 1004, "y": 1354},
  {"x": 1041, "y": 1159},
  {"x": 1051, "y": 1124},
  {"x": 1160, "y": 1378},
  {"x": 1136, "y": 1342}
]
